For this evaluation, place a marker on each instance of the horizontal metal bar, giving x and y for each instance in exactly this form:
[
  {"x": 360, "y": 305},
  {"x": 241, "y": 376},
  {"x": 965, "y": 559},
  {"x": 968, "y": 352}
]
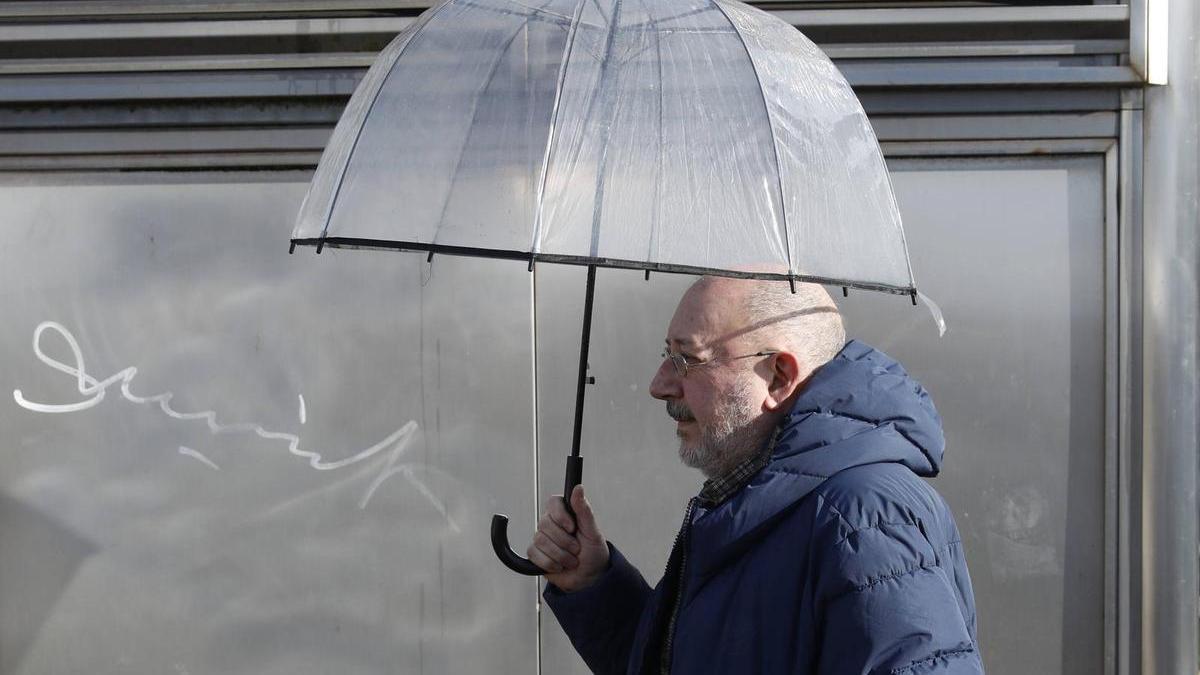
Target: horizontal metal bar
[
  {"x": 168, "y": 30},
  {"x": 325, "y": 82},
  {"x": 878, "y": 75},
  {"x": 994, "y": 127},
  {"x": 994, "y": 100},
  {"x": 1045, "y": 147},
  {"x": 45, "y": 147},
  {"x": 353, "y": 60},
  {"x": 921, "y": 50},
  {"x": 130, "y": 8},
  {"x": 275, "y": 138},
  {"x": 930, "y": 16},
  {"x": 526, "y": 256},
  {"x": 340, "y": 82},
  {"x": 925, "y": 15},
  {"x": 150, "y": 64},
  {"x": 363, "y": 59},
  {"x": 324, "y": 112},
  {"x": 253, "y": 139},
  {"x": 152, "y": 115},
  {"x": 802, "y": 18},
  {"x": 305, "y": 160}
]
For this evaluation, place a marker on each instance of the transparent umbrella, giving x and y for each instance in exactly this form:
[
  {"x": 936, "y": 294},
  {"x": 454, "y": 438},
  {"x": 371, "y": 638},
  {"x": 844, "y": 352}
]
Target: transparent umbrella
[{"x": 688, "y": 136}]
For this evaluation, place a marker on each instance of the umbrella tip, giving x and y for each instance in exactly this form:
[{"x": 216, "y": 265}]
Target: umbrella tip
[
  {"x": 913, "y": 295},
  {"x": 647, "y": 275},
  {"x": 792, "y": 283},
  {"x": 320, "y": 245},
  {"x": 845, "y": 291},
  {"x": 291, "y": 248}
]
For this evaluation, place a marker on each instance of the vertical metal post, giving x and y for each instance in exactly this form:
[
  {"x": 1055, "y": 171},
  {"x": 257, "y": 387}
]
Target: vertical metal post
[{"x": 1171, "y": 384}]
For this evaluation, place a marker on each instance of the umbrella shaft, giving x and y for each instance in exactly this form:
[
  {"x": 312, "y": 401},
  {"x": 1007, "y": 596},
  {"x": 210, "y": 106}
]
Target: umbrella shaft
[{"x": 583, "y": 359}]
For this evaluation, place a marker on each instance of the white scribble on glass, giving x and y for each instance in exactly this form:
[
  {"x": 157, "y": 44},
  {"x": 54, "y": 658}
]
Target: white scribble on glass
[
  {"x": 195, "y": 454},
  {"x": 409, "y": 472},
  {"x": 95, "y": 390}
]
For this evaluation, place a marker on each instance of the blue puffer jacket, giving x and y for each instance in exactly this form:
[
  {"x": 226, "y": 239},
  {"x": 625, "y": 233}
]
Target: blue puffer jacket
[{"x": 836, "y": 558}]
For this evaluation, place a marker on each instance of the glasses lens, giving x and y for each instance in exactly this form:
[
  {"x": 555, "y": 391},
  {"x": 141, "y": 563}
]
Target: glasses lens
[{"x": 677, "y": 361}]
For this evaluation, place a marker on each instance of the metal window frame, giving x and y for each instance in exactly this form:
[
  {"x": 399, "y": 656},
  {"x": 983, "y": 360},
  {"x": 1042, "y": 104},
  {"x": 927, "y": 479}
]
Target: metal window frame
[{"x": 1148, "y": 23}]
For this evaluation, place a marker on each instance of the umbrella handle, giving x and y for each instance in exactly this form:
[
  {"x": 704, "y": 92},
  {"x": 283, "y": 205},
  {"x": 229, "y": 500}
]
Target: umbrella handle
[
  {"x": 574, "y": 462},
  {"x": 500, "y": 545},
  {"x": 505, "y": 553}
]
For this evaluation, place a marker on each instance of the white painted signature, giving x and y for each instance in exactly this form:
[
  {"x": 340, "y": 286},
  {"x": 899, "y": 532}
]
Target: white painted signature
[{"x": 95, "y": 391}]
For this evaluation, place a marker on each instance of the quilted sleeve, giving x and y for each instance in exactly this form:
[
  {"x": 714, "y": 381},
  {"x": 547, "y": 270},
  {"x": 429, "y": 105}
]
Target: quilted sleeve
[{"x": 602, "y": 619}]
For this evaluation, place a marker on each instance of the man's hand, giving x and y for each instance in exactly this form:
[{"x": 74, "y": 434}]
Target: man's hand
[{"x": 573, "y": 557}]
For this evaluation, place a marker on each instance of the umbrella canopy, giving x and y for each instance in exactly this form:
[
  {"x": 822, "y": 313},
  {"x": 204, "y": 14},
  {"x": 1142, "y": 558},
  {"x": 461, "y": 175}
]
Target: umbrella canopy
[{"x": 699, "y": 136}]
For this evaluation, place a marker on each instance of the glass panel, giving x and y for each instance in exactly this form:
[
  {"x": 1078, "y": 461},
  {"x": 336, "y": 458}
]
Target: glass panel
[
  {"x": 139, "y": 540},
  {"x": 1013, "y": 251}
]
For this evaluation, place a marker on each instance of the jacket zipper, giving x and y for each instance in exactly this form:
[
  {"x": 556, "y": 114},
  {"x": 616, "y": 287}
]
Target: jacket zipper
[{"x": 681, "y": 539}]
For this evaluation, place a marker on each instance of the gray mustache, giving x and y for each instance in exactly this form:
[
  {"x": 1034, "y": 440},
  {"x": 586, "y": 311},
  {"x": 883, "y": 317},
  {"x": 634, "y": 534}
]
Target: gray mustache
[{"x": 679, "y": 411}]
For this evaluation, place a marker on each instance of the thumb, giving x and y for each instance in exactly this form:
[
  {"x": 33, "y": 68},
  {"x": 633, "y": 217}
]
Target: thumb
[{"x": 585, "y": 520}]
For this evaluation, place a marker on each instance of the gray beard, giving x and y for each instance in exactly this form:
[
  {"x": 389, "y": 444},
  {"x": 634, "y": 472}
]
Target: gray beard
[{"x": 736, "y": 433}]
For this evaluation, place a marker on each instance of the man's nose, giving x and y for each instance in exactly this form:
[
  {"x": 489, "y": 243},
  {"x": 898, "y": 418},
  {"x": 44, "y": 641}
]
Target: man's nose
[{"x": 665, "y": 384}]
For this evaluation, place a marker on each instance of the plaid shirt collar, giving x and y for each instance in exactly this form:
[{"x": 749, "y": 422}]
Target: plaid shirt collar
[{"x": 717, "y": 490}]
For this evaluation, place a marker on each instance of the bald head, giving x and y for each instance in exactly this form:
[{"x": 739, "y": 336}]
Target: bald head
[
  {"x": 768, "y": 315},
  {"x": 747, "y": 349}
]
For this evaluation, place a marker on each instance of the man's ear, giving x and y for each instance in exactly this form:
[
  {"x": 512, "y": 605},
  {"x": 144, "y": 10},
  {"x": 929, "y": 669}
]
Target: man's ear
[{"x": 787, "y": 376}]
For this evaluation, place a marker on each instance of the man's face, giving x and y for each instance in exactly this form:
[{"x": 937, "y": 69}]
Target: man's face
[{"x": 718, "y": 407}]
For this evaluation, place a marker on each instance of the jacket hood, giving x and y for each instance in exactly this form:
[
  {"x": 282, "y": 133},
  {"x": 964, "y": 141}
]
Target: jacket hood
[{"x": 860, "y": 408}]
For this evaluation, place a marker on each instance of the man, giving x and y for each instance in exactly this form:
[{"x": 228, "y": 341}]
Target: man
[{"x": 814, "y": 546}]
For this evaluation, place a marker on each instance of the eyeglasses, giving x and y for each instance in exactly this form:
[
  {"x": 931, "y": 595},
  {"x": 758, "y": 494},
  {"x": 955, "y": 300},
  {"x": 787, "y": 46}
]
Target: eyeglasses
[{"x": 682, "y": 364}]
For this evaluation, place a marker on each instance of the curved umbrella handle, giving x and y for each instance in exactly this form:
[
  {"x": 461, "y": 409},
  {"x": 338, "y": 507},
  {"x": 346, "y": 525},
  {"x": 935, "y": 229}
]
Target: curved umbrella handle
[
  {"x": 500, "y": 545},
  {"x": 505, "y": 553}
]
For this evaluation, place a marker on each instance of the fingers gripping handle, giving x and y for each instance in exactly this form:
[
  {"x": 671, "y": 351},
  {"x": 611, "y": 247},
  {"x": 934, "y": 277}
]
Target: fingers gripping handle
[
  {"x": 574, "y": 477},
  {"x": 500, "y": 545}
]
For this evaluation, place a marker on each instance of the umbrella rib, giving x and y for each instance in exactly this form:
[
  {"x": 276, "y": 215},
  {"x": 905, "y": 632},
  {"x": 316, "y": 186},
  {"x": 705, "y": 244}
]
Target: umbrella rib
[
  {"x": 542, "y": 10},
  {"x": 600, "y": 11},
  {"x": 606, "y": 70},
  {"x": 787, "y": 244},
  {"x": 536, "y": 14},
  {"x": 887, "y": 175},
  {"x": 535, "y": 245},
  {"x": 657, "y": 23},
  {"x": 656, "y": 218},
  {"x": 337, "y": 190}
]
